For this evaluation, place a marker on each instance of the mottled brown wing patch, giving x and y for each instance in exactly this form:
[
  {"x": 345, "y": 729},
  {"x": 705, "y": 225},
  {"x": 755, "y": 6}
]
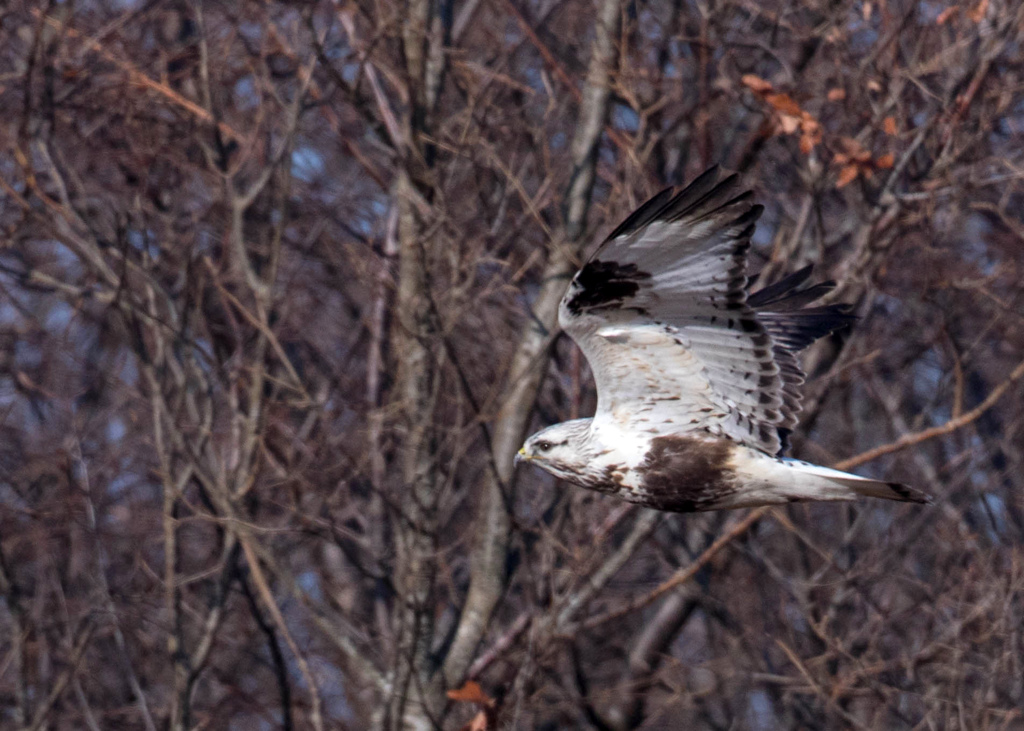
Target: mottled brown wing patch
[{"x": 687, "y": 474}]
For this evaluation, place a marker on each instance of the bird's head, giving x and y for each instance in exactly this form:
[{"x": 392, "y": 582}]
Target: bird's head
[{"x": 560, "y": 449}]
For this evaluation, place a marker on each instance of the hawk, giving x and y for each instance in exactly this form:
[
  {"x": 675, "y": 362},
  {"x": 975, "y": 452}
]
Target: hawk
[{"x": 697, "y": 378}]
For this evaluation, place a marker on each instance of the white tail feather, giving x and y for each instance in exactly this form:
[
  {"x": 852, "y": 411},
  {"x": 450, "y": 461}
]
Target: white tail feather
[
  {"x": 860, "y": 486},
  {"x": 766, "y": 481}
]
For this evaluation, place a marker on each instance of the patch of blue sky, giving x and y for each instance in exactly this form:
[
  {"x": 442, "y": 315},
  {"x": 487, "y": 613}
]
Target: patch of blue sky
[
  {"x": 251, "y": 29},
  {"x": 9, "y": 314},
  {"x": 883, "y": 518},
  {"x": 116, "y": 430},
  {"x": 350, "y": 71},
  {"x": 331, "y": 683},
  {"x": 763, "y": 234},
  {"x": 309, "y": 581},
  {"x": 928, "y": 12},
  {"x": 120, "y": 485},
  {"x": 995, "y": 508},
  {"x": 375, "y": 219},
  {"x": 795, "y": 617},
  {"x": 928, "y": 373},
  {"x": 340, "y": 46},
  {"x": 862, "y": 38},
  {"x": 246, "y": 94},
  {"x": 976, "y": 231},
  {"x": 886, "y": 304},
  {"x": 12, "y": 499},
  {"x": 680, "y": 48},
  {"x": 206, "y": 241},
  {"x": 8, "y": 171},
  {"x": 532, "y": 77},
  {"x": 8, "y": 397},
  {"x": 128, "y": 372},
  {"x": 760, "y": 714},
  {"x": 64, "y": 256},
  {"x": 144, "y": 241},
  {"x": 767, "y": 225},
  {"x": 625, "y": 118},
  {"x": 307, "y": 163}
]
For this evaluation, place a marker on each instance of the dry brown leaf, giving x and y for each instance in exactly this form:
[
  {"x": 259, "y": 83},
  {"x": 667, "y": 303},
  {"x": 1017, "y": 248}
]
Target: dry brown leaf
[
  {"x": 889, "y": 125},
  {"x": 471, "y": 692},
  {"x": 874, "y": 86},
  {"x": 807, "y": 143},
  {"x": 756, "y": 83},
  {"x": 784, "y": 103},
  {"x": 946, "y": 14},
  {"x": 977, "y": 14},
  {"x": 836, "y": 95},
  {"x": 866, "y": 11},
  {"x": 885, "y": 162},
  {"x": 847, "y": 175},
  {"x": 790, "y": 117},
  {"x": 812, "y": 133}
]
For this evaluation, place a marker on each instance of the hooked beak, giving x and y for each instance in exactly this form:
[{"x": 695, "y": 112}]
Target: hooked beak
[{"x": 522, "y": 456}]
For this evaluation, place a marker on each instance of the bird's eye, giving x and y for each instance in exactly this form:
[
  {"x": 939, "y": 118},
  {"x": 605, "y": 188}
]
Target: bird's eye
[{"x": 543, "y": 446}]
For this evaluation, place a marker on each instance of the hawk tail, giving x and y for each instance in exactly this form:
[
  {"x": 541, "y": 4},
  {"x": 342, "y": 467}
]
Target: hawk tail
[{"x": 814, "y": 479}]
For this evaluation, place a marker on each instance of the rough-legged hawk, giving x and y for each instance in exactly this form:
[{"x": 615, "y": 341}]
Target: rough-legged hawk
[{"x": 697, "y": 380}]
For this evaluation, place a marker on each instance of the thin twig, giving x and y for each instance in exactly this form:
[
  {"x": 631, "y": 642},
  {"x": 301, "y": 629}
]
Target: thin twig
[
  {"x": 682, "y": 575},
  {"x": 316, "y": 715},
  {"x": 910, "y": 440}
]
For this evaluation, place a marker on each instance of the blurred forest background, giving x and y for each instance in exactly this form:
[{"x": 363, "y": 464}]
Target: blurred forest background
[{"x": 278, "y": 285}]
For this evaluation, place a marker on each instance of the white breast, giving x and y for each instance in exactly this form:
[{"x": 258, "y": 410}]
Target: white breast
[{"x": 619, "y": 451}]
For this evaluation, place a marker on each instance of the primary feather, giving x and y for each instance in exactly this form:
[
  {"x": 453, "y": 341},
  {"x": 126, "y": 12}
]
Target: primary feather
[{"x": 697, "y": 380}]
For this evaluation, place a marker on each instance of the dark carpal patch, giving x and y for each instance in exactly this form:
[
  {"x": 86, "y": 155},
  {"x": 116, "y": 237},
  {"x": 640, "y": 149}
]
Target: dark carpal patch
[
  {"x": 687, "y": 474},
  {"x": 604, "y": 283}
]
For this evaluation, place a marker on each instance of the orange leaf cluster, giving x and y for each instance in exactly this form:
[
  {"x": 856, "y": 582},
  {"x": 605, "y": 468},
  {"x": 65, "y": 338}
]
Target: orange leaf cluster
[
  {"x": 789, "y": 117},
  {"x": 856, "y": 161},
  {"x": 471, "y": 692}
]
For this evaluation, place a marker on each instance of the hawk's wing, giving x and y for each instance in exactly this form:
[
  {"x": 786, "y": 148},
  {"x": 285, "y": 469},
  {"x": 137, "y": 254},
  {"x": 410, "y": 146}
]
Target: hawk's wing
[{"x": 676, "y": 345}]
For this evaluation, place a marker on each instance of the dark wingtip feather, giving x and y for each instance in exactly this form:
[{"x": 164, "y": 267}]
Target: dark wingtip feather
[
  {"x": 705, "y": 195},
  {"x": 909, "y": 494},
  {"x": 643, "y": 215},
  {"x": 771, "y": 293}
]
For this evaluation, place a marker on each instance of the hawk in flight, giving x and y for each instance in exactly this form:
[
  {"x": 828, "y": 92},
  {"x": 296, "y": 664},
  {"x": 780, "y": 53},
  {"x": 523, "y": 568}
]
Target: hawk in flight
[{"x": 697, "y": 379}]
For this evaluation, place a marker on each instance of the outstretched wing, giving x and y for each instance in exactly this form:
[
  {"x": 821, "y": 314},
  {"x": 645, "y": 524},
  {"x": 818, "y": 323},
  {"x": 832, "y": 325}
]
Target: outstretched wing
[{"x": 662, "y": 314}]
